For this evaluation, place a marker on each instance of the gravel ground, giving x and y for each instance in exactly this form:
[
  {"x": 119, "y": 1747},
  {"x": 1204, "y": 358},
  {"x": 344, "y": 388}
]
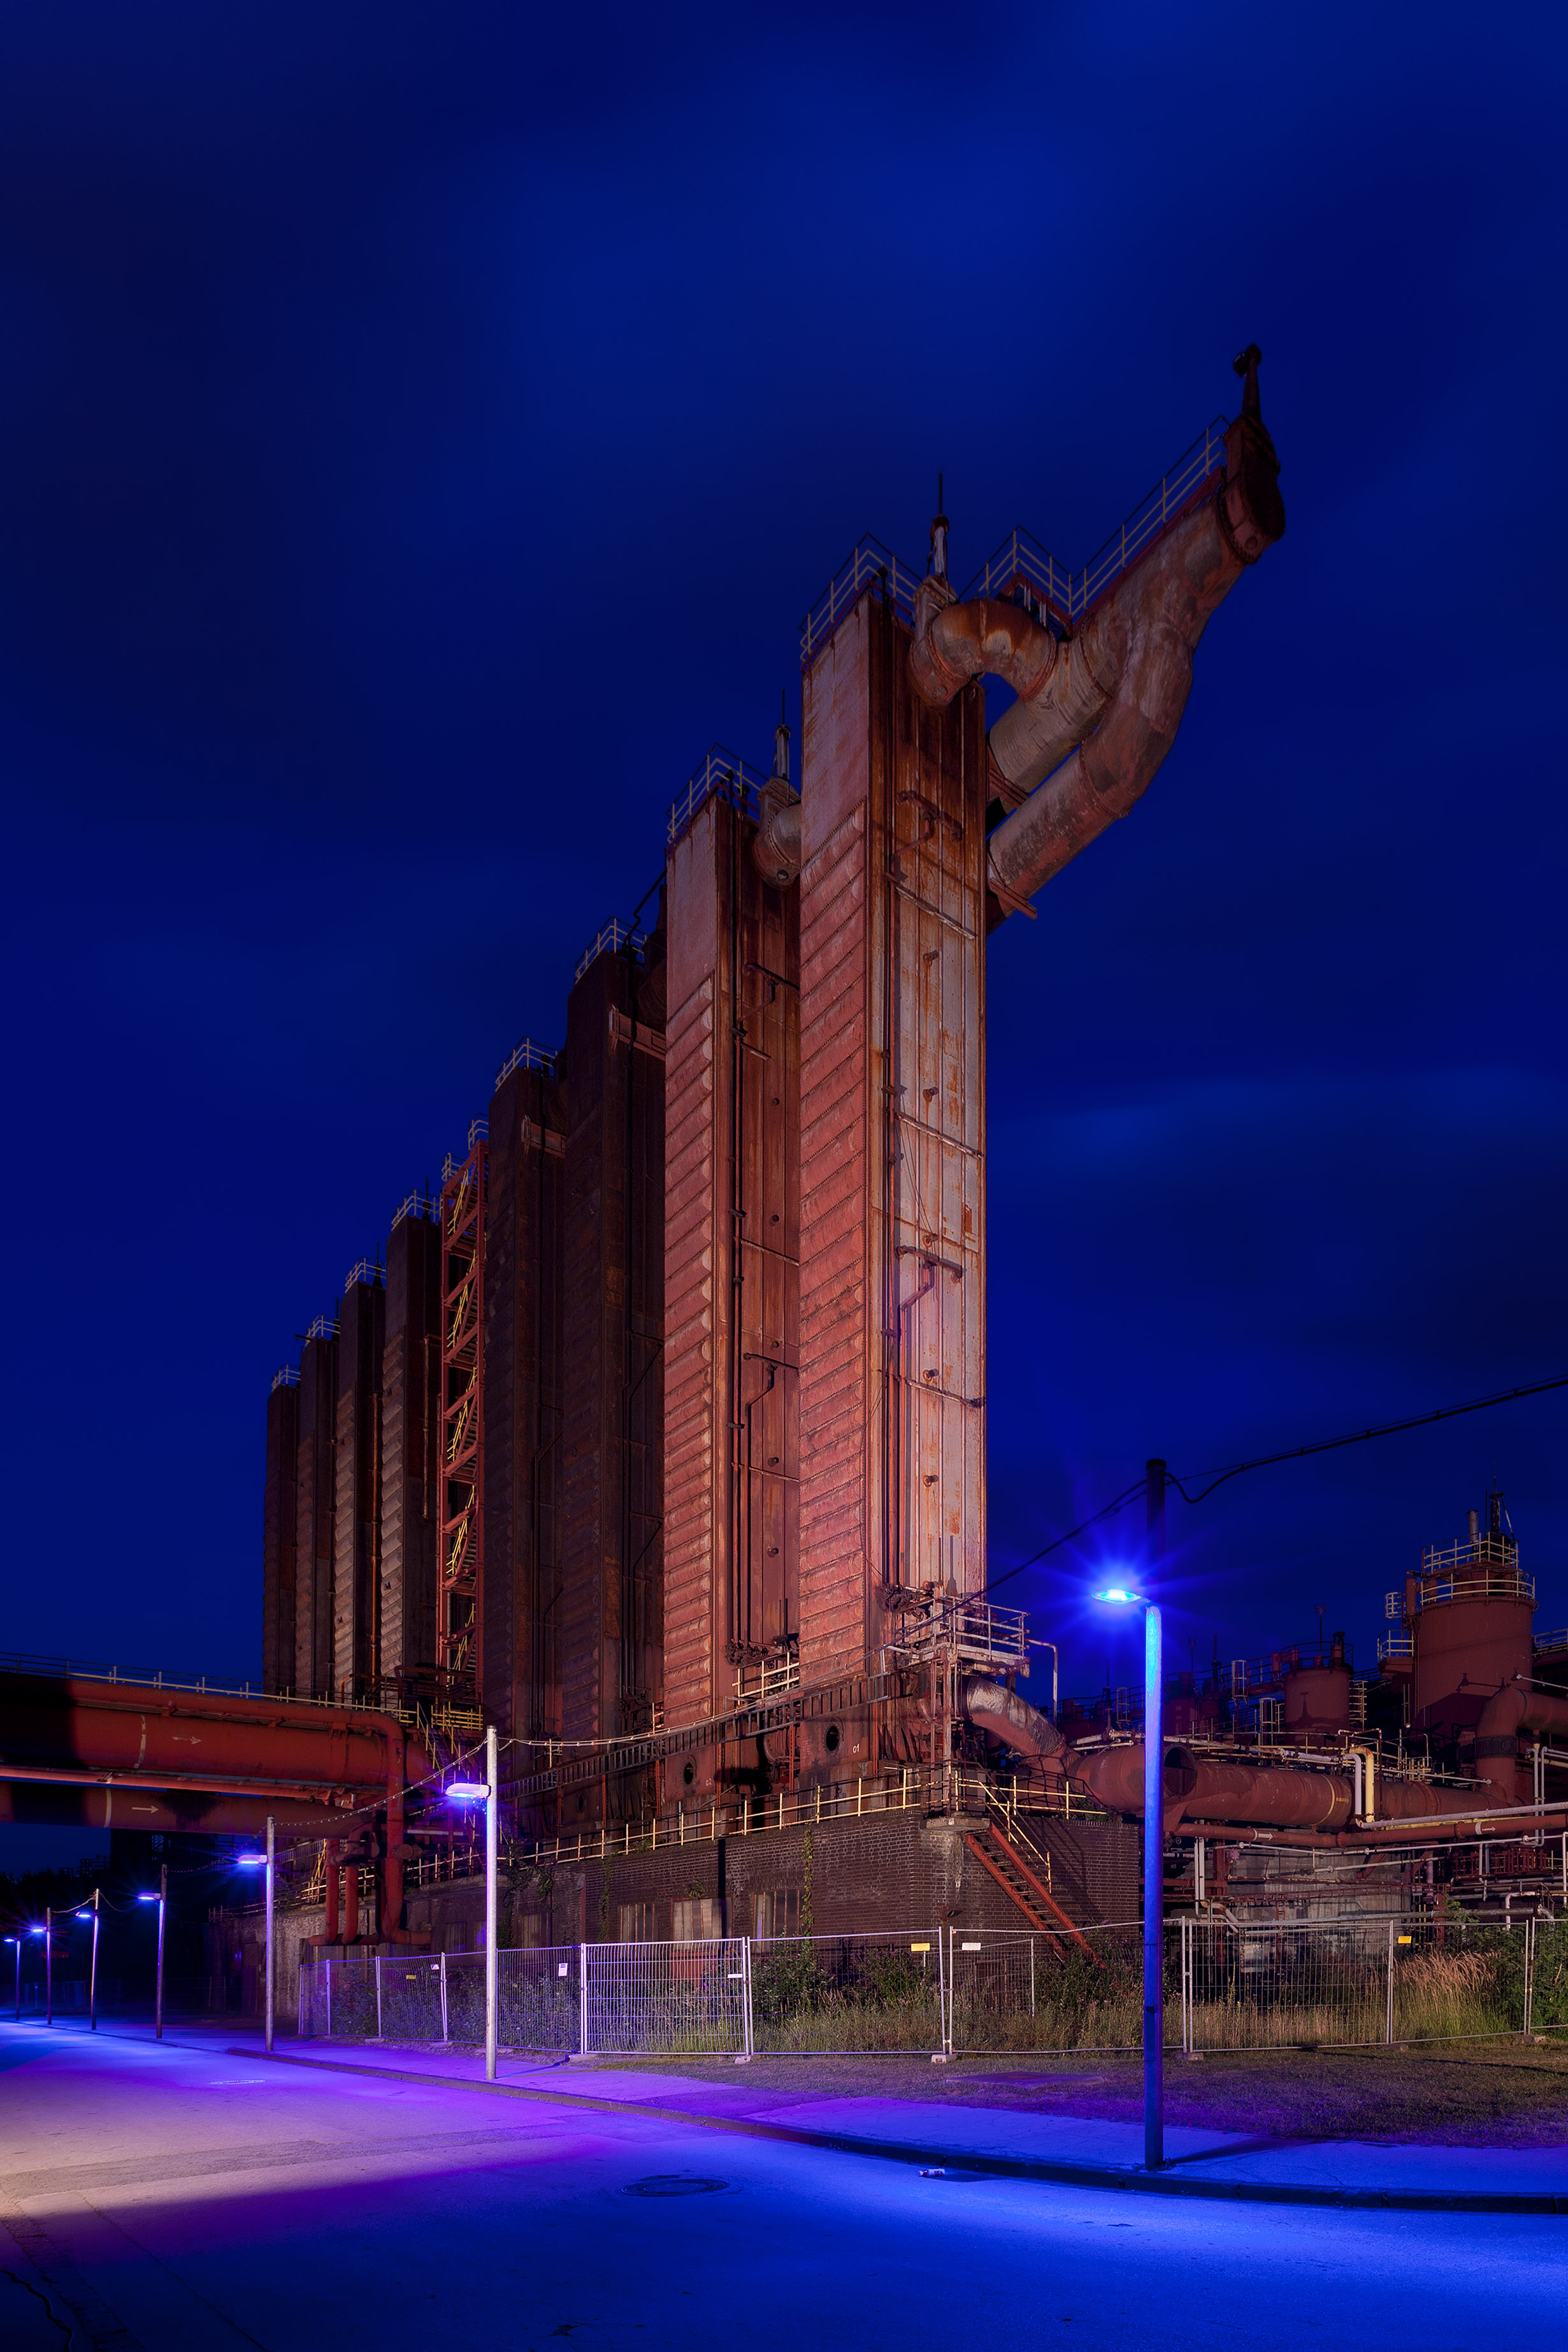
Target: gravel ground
[{"x": 1490, "y": 2096}]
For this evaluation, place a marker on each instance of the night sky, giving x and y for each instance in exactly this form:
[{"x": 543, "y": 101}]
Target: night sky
[{"x": 421, "y": 432}]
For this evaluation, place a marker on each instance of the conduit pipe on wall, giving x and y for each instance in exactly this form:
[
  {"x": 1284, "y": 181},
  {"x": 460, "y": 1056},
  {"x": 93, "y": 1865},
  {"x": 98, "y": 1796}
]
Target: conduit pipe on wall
[
  {"x": 1500, "y": 1722},
  {"x": 1126, "y": 675}
]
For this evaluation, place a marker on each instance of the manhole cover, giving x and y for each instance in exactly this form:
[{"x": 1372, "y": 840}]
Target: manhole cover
[{"x": 674, "y": 2184}]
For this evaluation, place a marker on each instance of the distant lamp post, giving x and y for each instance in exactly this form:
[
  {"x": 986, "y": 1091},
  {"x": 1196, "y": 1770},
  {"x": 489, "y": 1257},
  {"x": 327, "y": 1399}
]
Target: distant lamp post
[
  {"x": 17, "y": 1941},
  {"x": 468, "y": 1792},
  {"x": 92, "y": 1966},
  {"x": 162, "y": 1900},
  {"x": 1120, "y": 1596},
  {"x": 265, "y": 1861}
]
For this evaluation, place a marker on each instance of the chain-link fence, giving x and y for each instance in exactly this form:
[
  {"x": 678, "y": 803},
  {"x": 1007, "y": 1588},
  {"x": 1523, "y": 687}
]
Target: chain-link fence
[
  {"x": 1230, "y": 1984},
  {"x": 1365, "y": 1979}
]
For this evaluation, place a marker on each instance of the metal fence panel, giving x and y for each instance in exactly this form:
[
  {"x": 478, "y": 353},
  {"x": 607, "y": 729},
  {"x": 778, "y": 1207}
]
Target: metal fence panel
[
  {"x": 849, "y": 1992},
  {"x": 665, "y": 1998}
]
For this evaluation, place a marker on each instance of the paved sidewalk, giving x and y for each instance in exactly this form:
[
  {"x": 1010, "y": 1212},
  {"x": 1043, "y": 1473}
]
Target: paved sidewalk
[{"x": 1077, "y": 2149}]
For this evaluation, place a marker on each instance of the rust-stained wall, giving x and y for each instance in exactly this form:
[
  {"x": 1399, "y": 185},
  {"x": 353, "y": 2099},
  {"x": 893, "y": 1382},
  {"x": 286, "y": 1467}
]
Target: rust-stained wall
[
  {"x": 892, "y": 1456},
  {"x": 521, "y": 1600},
  {"x": 731, "y": 1265},
  {"x": 279, "y": 1514},
  {"x": 315, "y": 1488},
  {"x": 612, "y": 1307},
  {"x": 411, "y": 1445},
  {"x": 356, "y": 1516}
]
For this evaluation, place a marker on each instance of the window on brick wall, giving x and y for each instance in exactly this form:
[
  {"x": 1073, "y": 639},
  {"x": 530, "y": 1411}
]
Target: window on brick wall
[
  {"x": 636, "y": 1924},
  {"x": 778, "y": 1914},
  {"x": 695, "y": 1920}
]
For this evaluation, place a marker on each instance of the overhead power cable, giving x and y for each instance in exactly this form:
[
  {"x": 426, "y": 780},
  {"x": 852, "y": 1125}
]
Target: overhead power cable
[{"x": 1267, "y": 1461}]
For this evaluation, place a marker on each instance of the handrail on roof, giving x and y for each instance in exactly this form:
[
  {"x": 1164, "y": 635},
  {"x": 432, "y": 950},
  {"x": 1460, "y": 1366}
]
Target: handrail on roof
[
  {"x": 287, "y": 1376},
  {"x": 324, "y": 1327},
  {"x": 609, "y": 940},
  {"x": 723, "y": 775},
  {"x": 365, "y": 1270},
  {"x": 526, "y": 1055},
  {"x": 1022, "y": 565},
  {"x": 416, "y": 1204}
]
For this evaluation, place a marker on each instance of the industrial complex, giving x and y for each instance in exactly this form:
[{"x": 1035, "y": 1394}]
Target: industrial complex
[{"x": 656, "y": 1437}]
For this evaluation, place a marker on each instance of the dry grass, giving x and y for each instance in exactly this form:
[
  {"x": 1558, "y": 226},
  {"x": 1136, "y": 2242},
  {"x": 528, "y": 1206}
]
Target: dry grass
[{"x": 1502, "y": 2093}]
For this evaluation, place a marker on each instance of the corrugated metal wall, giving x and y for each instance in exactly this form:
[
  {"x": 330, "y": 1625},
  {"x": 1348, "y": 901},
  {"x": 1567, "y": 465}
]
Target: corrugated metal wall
[
  {"x": 279, "y": 1514},
  {"x": 732, "y": 1265},
  {"x": 612, "y": 1312},
  {"x": 356, "y": 1518},
  {"x": 316, "y": 1490},
  {"x": 892, "y": 1141}
]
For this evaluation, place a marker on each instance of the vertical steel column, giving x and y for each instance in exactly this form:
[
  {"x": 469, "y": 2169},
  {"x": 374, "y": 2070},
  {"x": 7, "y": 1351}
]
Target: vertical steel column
[
  {"x": 941, "y": 1992},
  {"x": 444, "y": 2032},
  {"x": 492, "y": 1977},
  {"x": 92, "y": 1971},
  {"x": 582, "y": 2000},
  {"x": 378, "y": 1967},
  {"x": 49, "y": 1963},
  {"x": 745, "y": 1964},
  {"x": 1529, "y": 1977},
  {"x": 269, "y": 1969},
  {"x": 1153, "y": 1891}
]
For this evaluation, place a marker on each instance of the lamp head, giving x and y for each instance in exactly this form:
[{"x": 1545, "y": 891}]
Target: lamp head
[
  {"x": 250, "y": 1862},
  {"x": 464, "y": 1792},
  {"x": 1120, "y": 1596},
  {"x": 84, "y": 1915},
  {"x": 150, "y": 1899}
]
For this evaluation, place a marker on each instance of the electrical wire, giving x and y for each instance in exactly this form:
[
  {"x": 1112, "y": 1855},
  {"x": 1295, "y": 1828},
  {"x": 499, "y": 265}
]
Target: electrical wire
[{"x": 1267, "y": 1461}]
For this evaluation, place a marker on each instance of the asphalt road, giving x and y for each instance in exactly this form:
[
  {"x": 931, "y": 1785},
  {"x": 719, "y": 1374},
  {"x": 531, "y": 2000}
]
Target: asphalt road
[{"x": 172, "y": 2198}]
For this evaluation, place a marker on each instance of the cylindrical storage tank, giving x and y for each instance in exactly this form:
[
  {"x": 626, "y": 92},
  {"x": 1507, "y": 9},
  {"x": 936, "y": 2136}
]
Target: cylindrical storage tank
[
  {"x": 1317, "y": 1703},
  {"x": 1466, "y": 1651}
]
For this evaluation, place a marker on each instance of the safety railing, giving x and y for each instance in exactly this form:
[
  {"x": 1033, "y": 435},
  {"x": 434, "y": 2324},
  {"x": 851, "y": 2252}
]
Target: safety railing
[
  {"x": 525, "y": 1054},
  {"x": 287, "y": 1376},
  {"x": 322, "y": 1326},
  {"x": 973, "y": 1630},
  {"x": 1556, "y": 1640},
  {"x": 416, "y": 1204},
  {"x": 1476, "y": 1584},
  {"x": 868, "y": 565},
  {"x": 365, "y": 1270},
  {"x": 1487, "y": 1550},
  {"x": 722, "y": 776},
  {"x": 1394, "y": 1646},
  {"x": 766, "y": 1677},
  {"x": 609, "y": 940}
]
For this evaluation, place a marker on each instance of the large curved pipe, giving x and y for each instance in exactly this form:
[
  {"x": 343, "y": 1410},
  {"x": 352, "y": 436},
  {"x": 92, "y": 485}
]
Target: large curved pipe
[
  {"x": 1126, "y": 675},
  {"x": 1502, "y": 1720},
  {"x": 76, "y": 1723},
  {"x": 995, "y": 1709},
  {"x": 1278, "y": 1796}
]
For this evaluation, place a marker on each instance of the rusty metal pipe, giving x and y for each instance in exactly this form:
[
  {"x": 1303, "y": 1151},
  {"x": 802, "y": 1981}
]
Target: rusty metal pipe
[
  {"x": 1499, "y": 1726},
  {"x": 1006, "y": 1716},
  {"x": 96, "y": 1806},
  {"x": 1279, "y": 1795},
  {"x": 116, "y": 1727}
]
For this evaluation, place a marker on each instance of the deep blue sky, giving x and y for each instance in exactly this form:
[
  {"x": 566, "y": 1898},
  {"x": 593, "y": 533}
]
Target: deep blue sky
[{"x": 421, "y": 430}]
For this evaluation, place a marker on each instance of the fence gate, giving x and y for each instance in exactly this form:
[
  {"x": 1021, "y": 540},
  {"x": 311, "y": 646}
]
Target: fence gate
[{"x": 666, "y": 1998}]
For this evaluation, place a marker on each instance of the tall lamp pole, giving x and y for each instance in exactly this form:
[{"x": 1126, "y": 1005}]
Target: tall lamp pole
[
  {"x": 48, "y": 1966},
  {"x": 92, "y": 1966},
  {"x": 17, "y": 1941},
  {"x": 270, "y": 1969},
  {"x": 162, "y": 1900},
  {"x": 468, "y": 1792},
  {"x": 1120, "y": 1597}
]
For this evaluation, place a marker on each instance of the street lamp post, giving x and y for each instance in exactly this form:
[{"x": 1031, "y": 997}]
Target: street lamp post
[
  {"x": 162, "y": 1900},
  {"x": 470, "y": 1792},
  {"x": 264, "y": 1862},
  {"x": 92, "y": 1966},
  {"x": 17, "y": 1941},
  {"x": 48, "y": 1966},
  {"x": 1118, "y": 1596}
]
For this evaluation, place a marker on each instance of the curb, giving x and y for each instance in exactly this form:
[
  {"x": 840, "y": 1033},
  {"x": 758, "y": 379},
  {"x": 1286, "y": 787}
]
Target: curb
[{"x": 1127, "y": 2179}]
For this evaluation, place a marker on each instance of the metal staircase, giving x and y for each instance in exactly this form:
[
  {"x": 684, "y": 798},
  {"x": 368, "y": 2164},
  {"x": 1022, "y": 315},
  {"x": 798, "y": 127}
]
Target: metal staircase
[{"x": 1023, "y": 1873}]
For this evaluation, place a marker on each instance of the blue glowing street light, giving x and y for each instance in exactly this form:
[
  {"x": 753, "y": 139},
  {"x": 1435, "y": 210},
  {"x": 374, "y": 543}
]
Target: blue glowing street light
[
  {"x": 265, "y": 1861},
  {"x": 92, "y": 1970},
  {"x": 1122, "y": 1596},
  {"x": 468, "y": 1792},
  {"x": 162, "y": 1900},
  {"x": 17, "y": 1941}
]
